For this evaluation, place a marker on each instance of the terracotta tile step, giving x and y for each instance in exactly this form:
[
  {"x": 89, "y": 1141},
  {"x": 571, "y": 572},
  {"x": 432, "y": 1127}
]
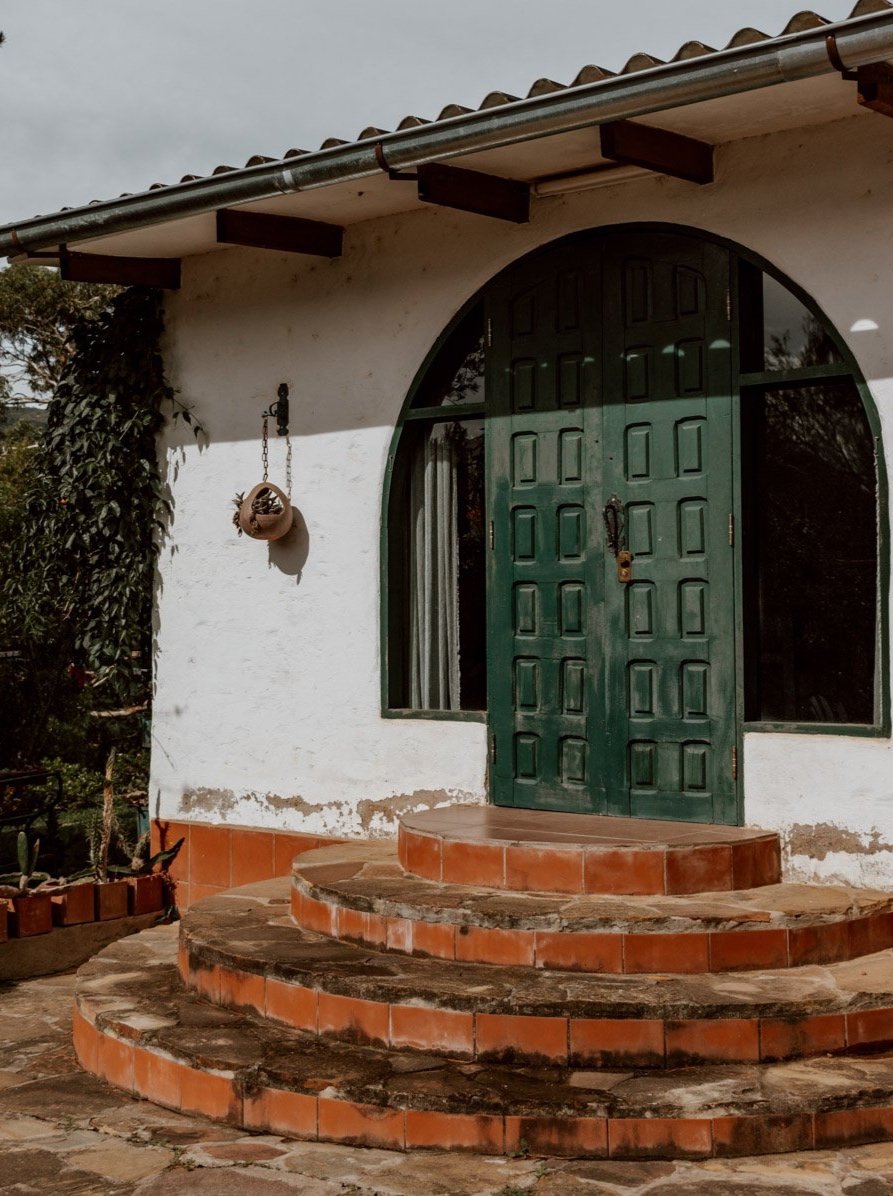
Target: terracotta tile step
[
  {"x": 358, "y": 892},
  {"x": 137, "y": 1027},
  {"x": 536, "y": 851},
  {"x": 241, "y": 951}
]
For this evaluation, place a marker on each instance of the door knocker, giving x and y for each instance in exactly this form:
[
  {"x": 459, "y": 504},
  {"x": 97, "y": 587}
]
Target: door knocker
[{"x": 614, "y": 533}]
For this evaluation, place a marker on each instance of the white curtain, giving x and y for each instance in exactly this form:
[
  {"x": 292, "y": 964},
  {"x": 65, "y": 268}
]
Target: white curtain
[{"x": 434, "y": 575}]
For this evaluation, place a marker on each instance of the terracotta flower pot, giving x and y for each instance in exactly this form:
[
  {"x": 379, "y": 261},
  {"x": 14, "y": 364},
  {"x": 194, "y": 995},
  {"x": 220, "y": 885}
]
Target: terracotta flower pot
[
  {"x": 74, "y": 904},
  {"x": 32, "y": 913},
  {"x": 266, "y": 527},
  {"x": 146, "y": 893},
  {"x": 111, "y": 899}
]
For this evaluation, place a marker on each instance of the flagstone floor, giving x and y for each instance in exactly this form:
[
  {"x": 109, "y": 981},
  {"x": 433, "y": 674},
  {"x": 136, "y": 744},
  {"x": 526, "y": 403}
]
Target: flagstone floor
[{"x": 63, "y": 1133}]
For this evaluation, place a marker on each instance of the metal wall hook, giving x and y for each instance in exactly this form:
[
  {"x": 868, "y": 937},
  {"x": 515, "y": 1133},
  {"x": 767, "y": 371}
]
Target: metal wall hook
[{"x": 279, "y": 410}]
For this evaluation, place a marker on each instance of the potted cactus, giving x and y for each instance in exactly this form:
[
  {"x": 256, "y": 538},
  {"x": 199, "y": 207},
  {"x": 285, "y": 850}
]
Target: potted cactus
[
  {"x": 32, "y": 910},
  {"x": 147, "y": 886}
]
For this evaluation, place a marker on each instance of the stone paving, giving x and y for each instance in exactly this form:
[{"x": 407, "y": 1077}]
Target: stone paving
[{"x": 63, "y": 1133}]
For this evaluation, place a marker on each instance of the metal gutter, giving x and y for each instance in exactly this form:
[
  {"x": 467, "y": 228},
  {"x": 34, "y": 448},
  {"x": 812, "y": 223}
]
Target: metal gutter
[{"x": 860, "y": 41}]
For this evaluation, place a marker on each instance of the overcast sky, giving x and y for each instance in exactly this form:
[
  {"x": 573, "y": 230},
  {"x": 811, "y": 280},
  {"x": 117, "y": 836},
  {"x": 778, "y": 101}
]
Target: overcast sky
[{"x": 103, "y": 96}]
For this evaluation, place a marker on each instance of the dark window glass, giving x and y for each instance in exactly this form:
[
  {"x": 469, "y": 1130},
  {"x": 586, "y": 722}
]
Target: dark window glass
[
  {"x": 436, "y": 558},
  {"x": 810, "y": 554},
  {"x": 456, "y": 376},
  {"x": 778, "y": 332}
]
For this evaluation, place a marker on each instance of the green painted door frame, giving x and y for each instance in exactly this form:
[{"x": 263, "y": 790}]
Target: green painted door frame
[{"x": 610, "y": 383}]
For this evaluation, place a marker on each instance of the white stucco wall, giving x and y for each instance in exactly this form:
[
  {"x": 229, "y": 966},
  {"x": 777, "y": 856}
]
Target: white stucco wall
[{"x": 267, "y": 703}]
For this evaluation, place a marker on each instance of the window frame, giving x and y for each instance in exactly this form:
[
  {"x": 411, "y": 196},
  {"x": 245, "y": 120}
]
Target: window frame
[{"x": 846, "y": 368}]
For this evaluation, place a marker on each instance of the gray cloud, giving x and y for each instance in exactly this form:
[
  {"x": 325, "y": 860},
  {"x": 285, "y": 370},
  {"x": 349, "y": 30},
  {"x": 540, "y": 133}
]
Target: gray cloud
[{"x": 97, "y": 97}]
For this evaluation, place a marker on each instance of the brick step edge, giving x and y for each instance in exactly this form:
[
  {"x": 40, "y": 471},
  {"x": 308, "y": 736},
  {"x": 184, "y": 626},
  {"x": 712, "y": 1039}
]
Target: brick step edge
[
  {"x": 529, "y": 1038},
  {"x": 227, "y": 1097},
  {"x": 617, "y": 952},
  {"x": 576, "y": 869}
]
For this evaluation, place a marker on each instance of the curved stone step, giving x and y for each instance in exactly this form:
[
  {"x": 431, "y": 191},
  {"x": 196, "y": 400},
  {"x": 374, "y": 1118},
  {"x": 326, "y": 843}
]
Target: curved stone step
[
  {"x": 241, "y": 950},
  {"x": 535, "y": 851},
  {"x": 137, "y": 1026},
  {"x": 358, "y": 892}
]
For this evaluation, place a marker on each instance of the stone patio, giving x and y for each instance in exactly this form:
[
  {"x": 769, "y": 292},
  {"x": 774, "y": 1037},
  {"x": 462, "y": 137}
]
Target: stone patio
[{"x": 65, "y": 1133}]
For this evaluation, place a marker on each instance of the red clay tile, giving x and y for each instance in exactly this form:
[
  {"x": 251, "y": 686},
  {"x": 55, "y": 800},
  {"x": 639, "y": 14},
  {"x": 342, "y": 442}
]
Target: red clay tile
[
  {"x": 209, "y": 855},
  {"x": 375, "y": 931},
  {"x": 352, "y": 1019},
  {"x": 182, "y": 895},
  {"x": 712, "y": 1040},
  {"x": 544, "y": 869},
  {"x": 157, "y": 1078},
  {"x": 436, "y": 939},
  {"x": 482, "y": 944},
  {"x": 571, "y": 1137},
  {"x": 616, "y": 1042},
  {"x": 659, "y": 1138},
  {"x": 86, "y": 1042},
  {"x": 860, "y": 936},
  {"x": 473, "y": 864},
  {"x": 582, "y": 951},
  {"x": 756, "y": 863},
  {"x": 742, "y": 950},
  {"x": 242, "y": 990},
  {"x": 794, "y": 1038},
  {"x": 423, "y": 855},
  {"x": 293, "y": 1114},
  {"x": 776, "y": 1133},
  {"x": 115, "y": 1061},
  {"x": 447, "y": 1030},
  {"x": 399, "y": 932},
  {"x": 206, "y": 979},
  {"x": 200, "y": 892},
  {"x": 852, "y": 1127},
  {"x": 880, "y": 932},
  {"x": 360, "y": 1125},
  {"x": 210, "y": 1094},
  {"x": 252, "y": 856},
  {"x": 164, "y": 836},
  {"x": 624, "y": 871},
  {"x": 350, "y": 924},
  {"x": 454, "y": 1131},
  {"x": 869, "y": 1027},
  {"x": 287, "y": 846},
  {"x": 705, "y": 869},
  {"x": 673, "y": 953},
  {"x": 291, "y": 1004},
  {"x": 825, "y": 943},
  {"x": 317, "y": 915},
  {"x": 510, "y": 1036}
]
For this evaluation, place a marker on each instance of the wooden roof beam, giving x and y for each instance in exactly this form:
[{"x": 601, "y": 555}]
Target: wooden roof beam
[
  {"x": 288, "y": 234},
  {"x": 163, "y": 272},
  {"x": 474, "y": 191},
  {"x": 635, "y": 144}
]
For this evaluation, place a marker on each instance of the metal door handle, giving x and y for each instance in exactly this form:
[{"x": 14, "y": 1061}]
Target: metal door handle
[{"x": 614, "y": 534}]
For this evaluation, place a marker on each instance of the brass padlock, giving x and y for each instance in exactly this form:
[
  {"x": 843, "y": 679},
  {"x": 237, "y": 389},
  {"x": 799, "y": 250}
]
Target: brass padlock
[{"x": 624, "y": 566}]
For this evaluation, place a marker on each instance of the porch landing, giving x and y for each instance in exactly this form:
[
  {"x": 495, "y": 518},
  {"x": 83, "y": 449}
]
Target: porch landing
[
  {"x": 361, "y": 1002},
  {"x": 540, "y": 851}
]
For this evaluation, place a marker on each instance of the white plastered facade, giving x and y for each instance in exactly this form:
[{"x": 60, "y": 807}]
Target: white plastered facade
[{"x": 267, "y": 708}]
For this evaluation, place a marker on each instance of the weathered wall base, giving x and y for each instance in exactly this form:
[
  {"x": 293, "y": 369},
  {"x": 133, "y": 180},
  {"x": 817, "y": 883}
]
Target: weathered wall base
[{"x": 65, "y": 947}]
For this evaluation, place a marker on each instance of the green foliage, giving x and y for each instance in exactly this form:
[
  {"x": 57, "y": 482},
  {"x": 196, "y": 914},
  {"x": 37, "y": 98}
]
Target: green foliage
[
  {"x": 18, "y": 448},
  {"x": 39, "y": 316},
  {"x": 77, "y": 574}
]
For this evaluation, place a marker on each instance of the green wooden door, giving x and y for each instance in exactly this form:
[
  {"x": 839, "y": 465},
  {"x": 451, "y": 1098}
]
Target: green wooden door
[
  {"x": 546, "y": 570},
  {"x": 609, "y": 379},
  {"x": 668, "y": 457}
]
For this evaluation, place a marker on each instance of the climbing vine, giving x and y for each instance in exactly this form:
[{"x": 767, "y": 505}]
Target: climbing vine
[{"x": 78, "y": 573}]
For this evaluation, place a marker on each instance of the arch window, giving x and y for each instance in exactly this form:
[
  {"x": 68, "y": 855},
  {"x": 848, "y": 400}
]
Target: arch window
[{"x": 808, "y": 525}]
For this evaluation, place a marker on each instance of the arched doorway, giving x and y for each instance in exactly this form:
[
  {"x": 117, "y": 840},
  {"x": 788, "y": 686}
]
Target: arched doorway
[{"x": 633, "y": 509}]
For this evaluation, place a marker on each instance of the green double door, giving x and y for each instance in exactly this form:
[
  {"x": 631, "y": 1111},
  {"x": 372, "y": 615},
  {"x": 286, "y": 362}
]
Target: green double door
[{"x": 612, "y": 681}]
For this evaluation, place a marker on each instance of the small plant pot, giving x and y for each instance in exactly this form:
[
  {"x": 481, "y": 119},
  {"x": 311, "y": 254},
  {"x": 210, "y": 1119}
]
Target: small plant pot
[
  {"x": 146, "y": 893},
  {"x": 111, "y": 899},
  {"x": 268, "y": 526},
  {"x": 74, "y": 904},
  {"x": 32, "y": 914}
]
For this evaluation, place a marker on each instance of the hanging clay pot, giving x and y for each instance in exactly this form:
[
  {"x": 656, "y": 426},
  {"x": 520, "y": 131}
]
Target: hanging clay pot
[{"x": 263, "y": 524}]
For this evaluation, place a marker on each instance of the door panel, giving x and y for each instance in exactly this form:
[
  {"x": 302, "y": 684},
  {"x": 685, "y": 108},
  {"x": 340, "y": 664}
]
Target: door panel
[
  {"x": 668, "y": 457},
  {"x": 545, "y": 577},
  {"x": 609, "y": 377}
]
